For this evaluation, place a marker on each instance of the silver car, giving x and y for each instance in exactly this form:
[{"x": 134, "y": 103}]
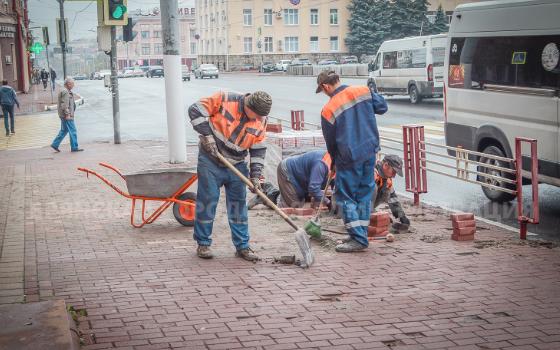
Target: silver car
[{"x": 206, "y": 70}]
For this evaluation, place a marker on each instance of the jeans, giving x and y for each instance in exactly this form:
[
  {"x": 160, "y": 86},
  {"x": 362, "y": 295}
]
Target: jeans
[
  {"x": 53, "y": 84},
  {"x": 8, "y": 110},
  {"x": 354, "y": 188},
  {"x": 211, "y": 177},
  {"x": 66, "y": 127}
]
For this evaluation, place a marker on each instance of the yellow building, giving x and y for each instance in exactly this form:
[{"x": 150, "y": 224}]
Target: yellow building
[{"x": 240, "y": 35}]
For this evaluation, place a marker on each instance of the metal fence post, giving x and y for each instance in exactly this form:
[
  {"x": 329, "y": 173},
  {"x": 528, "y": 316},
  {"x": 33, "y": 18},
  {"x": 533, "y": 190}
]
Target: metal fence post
[
  {"x": 521, "y": 217},
  {"x": 414, "y": 160}
]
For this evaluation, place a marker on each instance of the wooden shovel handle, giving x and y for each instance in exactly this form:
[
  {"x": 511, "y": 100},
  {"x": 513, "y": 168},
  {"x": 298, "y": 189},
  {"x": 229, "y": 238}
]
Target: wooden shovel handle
[{"x": 257, "y": 191}]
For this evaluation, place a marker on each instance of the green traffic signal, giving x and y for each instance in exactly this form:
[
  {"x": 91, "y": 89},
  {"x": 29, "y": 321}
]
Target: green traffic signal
[{"x": 119, "y": 12}]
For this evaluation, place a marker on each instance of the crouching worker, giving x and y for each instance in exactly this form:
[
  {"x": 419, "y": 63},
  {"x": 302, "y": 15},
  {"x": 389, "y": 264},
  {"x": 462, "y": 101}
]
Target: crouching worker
[
  {"x": 299, "y": 177},
  {"x": 232, "y": 125},
  {"x": 384, "y": 192}
]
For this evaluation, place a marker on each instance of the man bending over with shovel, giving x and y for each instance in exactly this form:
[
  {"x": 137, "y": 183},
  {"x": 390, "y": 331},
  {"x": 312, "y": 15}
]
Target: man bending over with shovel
[
  {"x": 350, "y": 131},
  {"x": 232, "y": 125}
]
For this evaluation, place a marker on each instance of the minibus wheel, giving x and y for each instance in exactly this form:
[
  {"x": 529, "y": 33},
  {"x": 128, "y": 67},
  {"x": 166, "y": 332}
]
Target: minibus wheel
[{"x": 492, "y": 194}]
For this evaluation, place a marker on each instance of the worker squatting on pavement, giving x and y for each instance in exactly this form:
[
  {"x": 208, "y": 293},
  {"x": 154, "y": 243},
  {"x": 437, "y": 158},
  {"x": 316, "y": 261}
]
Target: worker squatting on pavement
[
  {"x": 350, "y": 132},
  {"x": 233, "y": 125},
  {"x": 384, "y": 192},
  {"x": 299, "y": 177},
  {"x": 305, "y": 175}
]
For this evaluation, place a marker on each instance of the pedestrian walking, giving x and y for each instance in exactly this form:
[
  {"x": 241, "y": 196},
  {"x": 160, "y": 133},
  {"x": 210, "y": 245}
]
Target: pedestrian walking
[
  {"x": 350, "y": 132},
  {"x": 44, "y": 78},
  {"x": 53, "y": 78},
  {"x": 66, "y": 110},
  {"x": 233, "y": 125},
  {"x": 8, "y": 99}
]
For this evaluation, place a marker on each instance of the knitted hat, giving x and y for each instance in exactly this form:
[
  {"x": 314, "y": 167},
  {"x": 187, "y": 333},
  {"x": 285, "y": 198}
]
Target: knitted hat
[{"x": 259, "y": 102}]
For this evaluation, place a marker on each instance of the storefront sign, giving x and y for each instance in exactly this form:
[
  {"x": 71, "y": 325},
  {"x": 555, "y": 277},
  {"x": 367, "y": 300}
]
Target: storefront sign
[{"x": 7, "y": 31}]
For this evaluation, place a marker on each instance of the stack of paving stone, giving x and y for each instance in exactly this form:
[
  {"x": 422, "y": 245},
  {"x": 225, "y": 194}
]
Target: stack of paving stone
[
  {"x": 379, "y": 225},
  {"x": 464, "y": 226}
]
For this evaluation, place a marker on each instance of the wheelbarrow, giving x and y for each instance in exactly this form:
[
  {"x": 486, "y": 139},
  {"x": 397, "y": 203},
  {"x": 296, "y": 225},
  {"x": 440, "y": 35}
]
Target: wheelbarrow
[{"x": 158, "y": 185}]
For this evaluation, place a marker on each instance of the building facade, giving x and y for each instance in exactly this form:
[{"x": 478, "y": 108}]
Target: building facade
[
  {"x": 147, "y": 47},
  {"x": 238, "y": 35},
  {"x": 14, "y": 41},
  {"x": 447, "y": 5}
]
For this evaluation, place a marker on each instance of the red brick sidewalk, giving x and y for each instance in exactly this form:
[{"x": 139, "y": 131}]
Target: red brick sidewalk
[{"x": 146, "y": 289}]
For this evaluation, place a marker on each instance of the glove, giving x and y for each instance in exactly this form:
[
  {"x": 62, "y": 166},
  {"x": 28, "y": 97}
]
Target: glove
[
  {"x": 373, "y": 86},
  {"x": 404, "y": 220},
  {"x": 256, "y": 184},
  {"x": 209, "y": 145}
]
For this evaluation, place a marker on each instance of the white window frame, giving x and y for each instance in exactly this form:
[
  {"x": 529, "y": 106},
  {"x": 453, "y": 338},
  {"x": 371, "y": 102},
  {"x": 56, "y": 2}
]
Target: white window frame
[
  {"x": 247, "y": 17},
  {"x": 247, "y": 44},
  {"x": 267, "y": 13},
  {"x": 314, "y": 44},
  {"x": 336, "y": 42},
  {"x": 146, "y": 46},
  {"x": 314, "y": 16},
  {"x": 268, "y": 44},
  {"x": 291, "y": 44},
  {"x": 333, "y": 15},
  {"x": 291, "y": 17}
]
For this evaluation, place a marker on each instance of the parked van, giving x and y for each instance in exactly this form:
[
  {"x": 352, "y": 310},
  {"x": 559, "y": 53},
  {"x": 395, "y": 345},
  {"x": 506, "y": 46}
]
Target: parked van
[
  {"x": 502, "y": 76},
  {"x": 410, "y": 66}
]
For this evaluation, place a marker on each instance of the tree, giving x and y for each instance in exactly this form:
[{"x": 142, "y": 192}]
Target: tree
[
  {"x": 440, "y": 24},
  {"x": 374, "y": 21},
  {"x": 359, "y": 27}
]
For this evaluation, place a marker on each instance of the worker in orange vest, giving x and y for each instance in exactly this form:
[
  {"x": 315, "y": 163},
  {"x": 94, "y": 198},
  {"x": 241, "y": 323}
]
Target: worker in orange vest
[{"x": 233, "y": 125}]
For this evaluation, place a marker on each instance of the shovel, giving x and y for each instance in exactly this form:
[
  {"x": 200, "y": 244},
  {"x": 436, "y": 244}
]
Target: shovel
[
  {"x": 301, "y": 237},
  {"x": 313, "y": 226}
]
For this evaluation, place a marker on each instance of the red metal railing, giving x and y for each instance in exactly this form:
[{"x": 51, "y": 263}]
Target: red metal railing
[
  {"x": 414, "y": 163},
  {"x": 521, "y": 217},
  {"x": 298, "y": 122}
]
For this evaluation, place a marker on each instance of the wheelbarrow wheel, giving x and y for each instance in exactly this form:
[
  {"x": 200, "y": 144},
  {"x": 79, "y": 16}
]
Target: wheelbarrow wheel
[{"x": 185, "y": 214}]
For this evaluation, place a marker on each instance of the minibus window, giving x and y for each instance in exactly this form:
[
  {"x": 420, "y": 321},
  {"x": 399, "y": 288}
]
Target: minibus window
[{"x": 507, "y": 61}]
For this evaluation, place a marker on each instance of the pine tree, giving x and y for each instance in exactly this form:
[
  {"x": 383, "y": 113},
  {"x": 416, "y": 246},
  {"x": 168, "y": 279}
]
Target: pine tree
[
  {"x": 360, "y": 28},
  {"x": 440, "y": 24}
]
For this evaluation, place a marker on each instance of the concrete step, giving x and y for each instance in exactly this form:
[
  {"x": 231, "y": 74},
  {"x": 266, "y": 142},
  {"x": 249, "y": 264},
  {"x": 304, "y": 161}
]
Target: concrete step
[{"x": 44, "y": 325}]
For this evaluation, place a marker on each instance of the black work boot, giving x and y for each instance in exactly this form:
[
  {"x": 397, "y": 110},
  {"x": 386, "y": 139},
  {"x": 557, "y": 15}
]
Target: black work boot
[
  {"x": 204, "y": 252},
  {"x": 247, "y": 254},
  {"x": 350, "y": 247}
]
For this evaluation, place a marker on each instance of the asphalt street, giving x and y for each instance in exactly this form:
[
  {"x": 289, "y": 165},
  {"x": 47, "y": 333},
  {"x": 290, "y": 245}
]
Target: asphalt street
[{"x": 142, "y": 106}]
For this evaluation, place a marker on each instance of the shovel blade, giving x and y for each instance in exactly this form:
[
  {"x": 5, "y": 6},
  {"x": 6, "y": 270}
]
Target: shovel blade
[{"x": 305, "y": 247}]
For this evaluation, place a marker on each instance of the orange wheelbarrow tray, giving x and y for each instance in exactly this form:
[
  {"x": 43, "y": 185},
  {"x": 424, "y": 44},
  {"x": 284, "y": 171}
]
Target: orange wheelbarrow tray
[{"x": 163, "y": 185}]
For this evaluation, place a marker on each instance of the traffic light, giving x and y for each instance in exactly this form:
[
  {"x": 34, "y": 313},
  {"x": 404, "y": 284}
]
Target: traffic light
[
  {"x": 128, "y": 33},
  {"x": 115, "y": 12}
]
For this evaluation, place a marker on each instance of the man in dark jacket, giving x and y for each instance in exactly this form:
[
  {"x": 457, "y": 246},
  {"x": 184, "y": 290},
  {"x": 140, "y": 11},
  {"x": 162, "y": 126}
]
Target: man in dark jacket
[
  {"x": 350, "y": 131},
  {"x": 44, "y": 78},
  {"x": 8, "y": 99},
  {"x": 299, "y": 177}
]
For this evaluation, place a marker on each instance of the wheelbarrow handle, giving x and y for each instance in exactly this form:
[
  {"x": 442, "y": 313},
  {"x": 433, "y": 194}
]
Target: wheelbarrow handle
[{"x": 257, "y": 191}]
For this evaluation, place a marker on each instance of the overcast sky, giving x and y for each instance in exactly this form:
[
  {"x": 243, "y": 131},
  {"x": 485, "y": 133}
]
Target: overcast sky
[{"x": 82, "y": 15}]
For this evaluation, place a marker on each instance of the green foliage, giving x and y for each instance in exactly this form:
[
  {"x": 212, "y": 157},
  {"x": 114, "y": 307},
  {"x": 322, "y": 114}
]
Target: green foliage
[
  {"x": 440, "y": 24},
  {"x": 374, "y": 21}
]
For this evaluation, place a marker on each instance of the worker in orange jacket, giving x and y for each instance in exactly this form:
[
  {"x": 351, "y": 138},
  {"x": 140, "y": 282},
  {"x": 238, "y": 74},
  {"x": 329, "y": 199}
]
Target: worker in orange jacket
[{"x": 233, "y": 125}]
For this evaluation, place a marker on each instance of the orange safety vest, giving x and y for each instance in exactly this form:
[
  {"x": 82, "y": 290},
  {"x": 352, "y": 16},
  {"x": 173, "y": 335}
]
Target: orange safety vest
[{"x": 229, "y": 123}]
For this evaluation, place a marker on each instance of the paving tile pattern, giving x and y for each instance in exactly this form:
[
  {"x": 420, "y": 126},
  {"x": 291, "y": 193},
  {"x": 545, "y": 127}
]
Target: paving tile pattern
[{"x": 146, "y": 289}]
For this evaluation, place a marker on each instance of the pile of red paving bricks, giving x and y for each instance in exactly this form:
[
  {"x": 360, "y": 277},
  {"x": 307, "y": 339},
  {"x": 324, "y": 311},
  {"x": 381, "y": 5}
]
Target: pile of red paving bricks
[
  {"x": 464, "y": 226},
  {"x": 378, "y": 225}
]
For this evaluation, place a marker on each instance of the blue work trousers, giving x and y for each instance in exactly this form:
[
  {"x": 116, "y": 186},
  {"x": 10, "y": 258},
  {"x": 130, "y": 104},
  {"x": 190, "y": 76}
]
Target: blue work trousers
[
  {"x": 67, "y": 127},
  {"x": 354, "y": 188},
  {"x": 8, "y": 111},
  {"x": 211, "y": 177}
]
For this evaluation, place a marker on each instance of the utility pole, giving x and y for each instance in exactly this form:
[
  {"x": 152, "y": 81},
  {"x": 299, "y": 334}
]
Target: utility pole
[
  {"x": 173, "y": 87},
  {"x": 115, "y": 88},
  {"x": 62, "y": 30}
]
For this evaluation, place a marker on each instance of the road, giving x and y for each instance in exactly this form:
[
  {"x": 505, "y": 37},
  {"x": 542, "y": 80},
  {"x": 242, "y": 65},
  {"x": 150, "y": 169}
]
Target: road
[{"x": 142, "y": 103}]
